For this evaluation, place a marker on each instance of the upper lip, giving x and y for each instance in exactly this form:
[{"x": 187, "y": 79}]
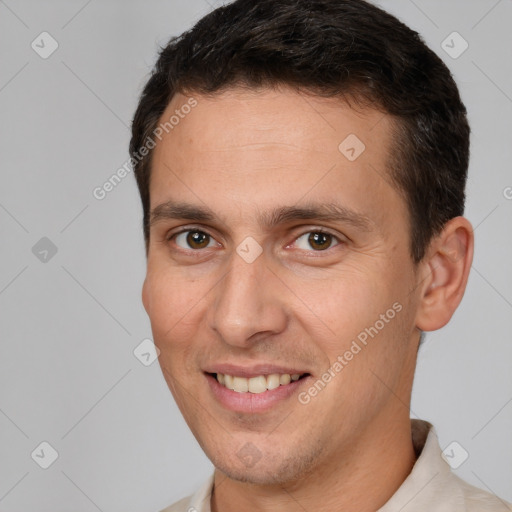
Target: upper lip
[{"x": 252, "y": 370}]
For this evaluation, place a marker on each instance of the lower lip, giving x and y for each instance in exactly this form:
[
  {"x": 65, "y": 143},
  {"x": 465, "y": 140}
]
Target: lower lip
[{"x": 252, "y": 402}]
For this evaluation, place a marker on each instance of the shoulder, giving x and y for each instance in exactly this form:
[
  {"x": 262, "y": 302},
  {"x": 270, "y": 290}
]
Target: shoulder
[
  {"x": 478, "y": 500},
  {"x": 179, "y": 506},
  {"x": 199, "y": 502}
]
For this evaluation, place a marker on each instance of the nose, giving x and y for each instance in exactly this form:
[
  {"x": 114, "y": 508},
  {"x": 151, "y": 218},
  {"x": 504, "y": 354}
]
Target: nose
[{"x": 249, "y": 303}]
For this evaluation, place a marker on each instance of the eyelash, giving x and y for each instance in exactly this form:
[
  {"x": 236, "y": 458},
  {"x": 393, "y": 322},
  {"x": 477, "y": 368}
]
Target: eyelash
[{"x": 316, "y": 230}]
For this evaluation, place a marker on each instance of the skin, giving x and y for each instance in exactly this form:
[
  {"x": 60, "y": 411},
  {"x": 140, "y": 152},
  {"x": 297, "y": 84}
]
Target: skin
[{"x": 245, "y": 152}]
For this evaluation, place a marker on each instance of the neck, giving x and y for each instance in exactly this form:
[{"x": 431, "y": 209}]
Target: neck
[{"x": 361, "y": 478}]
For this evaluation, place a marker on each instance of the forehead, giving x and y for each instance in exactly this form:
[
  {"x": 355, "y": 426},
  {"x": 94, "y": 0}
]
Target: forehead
[
  {"x": 248, "y": 117},
  {"x": 271, "y": 147}
]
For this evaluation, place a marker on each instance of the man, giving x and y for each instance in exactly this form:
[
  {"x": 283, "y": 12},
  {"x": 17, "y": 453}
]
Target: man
[{"x": 302, "y": 167}]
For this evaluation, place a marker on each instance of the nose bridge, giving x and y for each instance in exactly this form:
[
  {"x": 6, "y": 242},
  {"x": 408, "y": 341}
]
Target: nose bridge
[{"x": 245, "y": 303}]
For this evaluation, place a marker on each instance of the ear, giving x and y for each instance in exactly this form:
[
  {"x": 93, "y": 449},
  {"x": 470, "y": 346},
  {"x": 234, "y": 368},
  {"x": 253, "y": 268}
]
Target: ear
[
  {"x": 444, "y": 274},
  {"x": 145, "y": 294}
]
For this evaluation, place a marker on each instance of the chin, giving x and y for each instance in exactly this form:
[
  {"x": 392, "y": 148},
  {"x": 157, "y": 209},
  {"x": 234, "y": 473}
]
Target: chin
[{"x": 267, "y": 469}]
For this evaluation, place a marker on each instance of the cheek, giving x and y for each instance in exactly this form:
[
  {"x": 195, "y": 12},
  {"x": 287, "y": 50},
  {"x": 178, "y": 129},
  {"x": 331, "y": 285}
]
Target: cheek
[
  {"x": 347, "y": 303},
  {"x": 365, "y": 310},
  {"x": 175, "y": 308}
]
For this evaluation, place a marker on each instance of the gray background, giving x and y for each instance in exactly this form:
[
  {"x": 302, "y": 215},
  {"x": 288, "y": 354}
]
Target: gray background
[{"x": 70, "y": 324}]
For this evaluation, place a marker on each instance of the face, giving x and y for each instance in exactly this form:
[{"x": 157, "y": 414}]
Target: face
[{"x": 279, "y": 249}]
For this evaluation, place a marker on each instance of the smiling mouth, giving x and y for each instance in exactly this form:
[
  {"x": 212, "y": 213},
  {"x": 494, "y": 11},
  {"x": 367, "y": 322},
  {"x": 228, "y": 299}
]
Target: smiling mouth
[{"x": 257, "y": 384}]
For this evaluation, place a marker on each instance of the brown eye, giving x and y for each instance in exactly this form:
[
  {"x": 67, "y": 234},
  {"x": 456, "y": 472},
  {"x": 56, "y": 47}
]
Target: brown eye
[
  {"x": 317, "y": 240},
  {"x": 193, "y": 239},
  {"x": 320, "y": 241}
]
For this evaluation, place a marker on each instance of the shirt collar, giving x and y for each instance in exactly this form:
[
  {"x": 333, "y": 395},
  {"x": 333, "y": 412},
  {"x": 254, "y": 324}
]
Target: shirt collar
[{"x": 431, "y": 485}]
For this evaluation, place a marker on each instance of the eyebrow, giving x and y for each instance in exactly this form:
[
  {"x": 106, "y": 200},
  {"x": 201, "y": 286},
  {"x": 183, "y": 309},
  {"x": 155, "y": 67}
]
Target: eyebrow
[{"x": 329, "y": 212}]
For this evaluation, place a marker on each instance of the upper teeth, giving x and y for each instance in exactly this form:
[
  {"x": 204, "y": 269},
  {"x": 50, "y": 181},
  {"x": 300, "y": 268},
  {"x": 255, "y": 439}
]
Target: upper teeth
[{"x": 257, "y": 384}]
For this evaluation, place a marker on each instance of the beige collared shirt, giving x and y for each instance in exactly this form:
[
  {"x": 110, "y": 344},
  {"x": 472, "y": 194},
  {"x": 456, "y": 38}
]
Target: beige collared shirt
[{"x": 430, "y": 487}]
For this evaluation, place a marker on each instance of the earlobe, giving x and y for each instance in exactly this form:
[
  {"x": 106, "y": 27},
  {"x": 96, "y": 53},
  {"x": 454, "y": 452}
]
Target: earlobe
[{"x": 445, "y": 274}]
